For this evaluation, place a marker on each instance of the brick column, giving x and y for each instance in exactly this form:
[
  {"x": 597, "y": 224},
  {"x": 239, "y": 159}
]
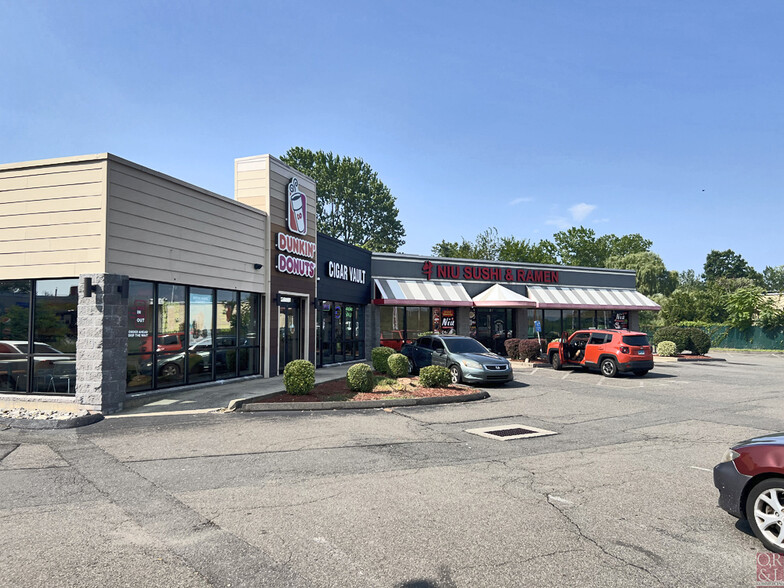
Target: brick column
[
  {"x": 102, "y": 343},
  {"x": 372, "y": 328}
]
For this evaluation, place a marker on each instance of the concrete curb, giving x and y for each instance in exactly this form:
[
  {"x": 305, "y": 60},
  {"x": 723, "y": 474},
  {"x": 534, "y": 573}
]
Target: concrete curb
[
  {"x": 249, "y": 406},
  {"x": 43, "y": 424}
]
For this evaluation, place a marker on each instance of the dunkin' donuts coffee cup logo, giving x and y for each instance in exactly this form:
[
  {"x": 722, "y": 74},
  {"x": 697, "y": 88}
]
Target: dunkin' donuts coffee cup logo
[{"x": 298, "y": 209}]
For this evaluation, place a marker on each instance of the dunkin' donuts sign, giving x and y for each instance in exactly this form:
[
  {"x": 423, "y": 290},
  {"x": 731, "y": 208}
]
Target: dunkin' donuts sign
[{"x": 296, "y": 256}]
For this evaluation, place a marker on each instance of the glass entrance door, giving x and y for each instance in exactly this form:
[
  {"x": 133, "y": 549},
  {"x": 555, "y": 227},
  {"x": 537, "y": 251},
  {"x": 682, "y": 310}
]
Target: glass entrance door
[
  {"x": 290, "y": 329},
  {"x": 493, "y": 327}
]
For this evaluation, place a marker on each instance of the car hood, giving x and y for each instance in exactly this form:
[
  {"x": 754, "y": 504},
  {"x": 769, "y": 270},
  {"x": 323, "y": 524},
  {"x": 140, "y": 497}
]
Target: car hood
[
  {"x": 480, "y": 357},
  {"x": 773, "y": 439}
]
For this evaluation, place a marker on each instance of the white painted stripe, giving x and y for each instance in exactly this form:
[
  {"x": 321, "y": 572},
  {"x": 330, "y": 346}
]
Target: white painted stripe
[{"x": 701, "y": 469}]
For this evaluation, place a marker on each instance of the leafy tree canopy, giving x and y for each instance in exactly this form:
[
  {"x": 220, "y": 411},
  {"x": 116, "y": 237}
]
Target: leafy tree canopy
[
  {"x": 652, "y": 275},
  {"x": 727, "y": 264},
  {"x": 488, "y": 245},
  {"x": 353, "y": 204},
  {"x": 773, "y": 278}
]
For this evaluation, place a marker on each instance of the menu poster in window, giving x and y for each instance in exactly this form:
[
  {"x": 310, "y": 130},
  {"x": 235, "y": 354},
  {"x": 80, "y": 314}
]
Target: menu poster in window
[
  {"x": 436, "y": 320},
  {"x": 448, "y": 321},
  {"x": 472, "y": 323},
  {"x": 621, "y": 320}
]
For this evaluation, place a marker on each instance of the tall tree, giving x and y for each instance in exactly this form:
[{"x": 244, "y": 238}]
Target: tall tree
[
  {"x": 523, "y": 250},
  {"x": 353, "y": 204},
  {"x": 579, "y": 246},
  {"x": 773, "y": 278},
  {"x": 486, "y": 246},
  {"x": 652, "y": 275},
  {"x": 727, "y": 264}
]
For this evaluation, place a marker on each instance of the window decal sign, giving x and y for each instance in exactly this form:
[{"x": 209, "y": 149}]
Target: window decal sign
[{"x": 297, "y": 209}]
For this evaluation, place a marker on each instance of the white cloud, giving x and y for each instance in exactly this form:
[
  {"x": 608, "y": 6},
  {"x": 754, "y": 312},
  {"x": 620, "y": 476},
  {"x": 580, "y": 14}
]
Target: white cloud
[
  {"x": 580, "y": 211},
  {"x": 517, "y": 201},
  {"x": 577, "y": 214}
]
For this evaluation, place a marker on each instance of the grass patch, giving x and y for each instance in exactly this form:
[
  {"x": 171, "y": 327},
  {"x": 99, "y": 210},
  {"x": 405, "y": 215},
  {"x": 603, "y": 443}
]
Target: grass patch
[{"x": 384, "y": 381}]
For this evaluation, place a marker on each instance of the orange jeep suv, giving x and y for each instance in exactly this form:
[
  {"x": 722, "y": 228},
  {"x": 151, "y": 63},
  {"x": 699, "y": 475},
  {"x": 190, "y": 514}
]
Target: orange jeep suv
[{"x": 610, "y": 351}]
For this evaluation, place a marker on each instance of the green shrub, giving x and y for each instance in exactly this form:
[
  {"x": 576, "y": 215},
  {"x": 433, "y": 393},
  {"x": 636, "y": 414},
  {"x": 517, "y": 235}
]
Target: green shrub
[
  {"x": 359, "y": 378},
  {"x": 667, "y": 349},
  {"x": 512, "y": 348},
  {"x": 528, "y": 349},
  {"x": 677, "y": 335},
  {"x": 299, "y": 377},
  {"x": 398, "y": 365},
  {"x": 699, "y": 341},
  {"x": 434, "y": 376},
  {"x": 379, "y": 357},
  {"x": 692, "y": 339}
]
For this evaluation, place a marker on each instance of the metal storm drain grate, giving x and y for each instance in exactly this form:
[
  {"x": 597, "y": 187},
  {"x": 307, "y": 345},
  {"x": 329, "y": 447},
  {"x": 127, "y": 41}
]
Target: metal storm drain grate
[{"x": 509, "y": 432}]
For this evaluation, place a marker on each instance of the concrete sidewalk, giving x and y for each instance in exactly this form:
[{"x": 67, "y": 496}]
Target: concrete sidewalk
[{"x": 215, "y": 396}]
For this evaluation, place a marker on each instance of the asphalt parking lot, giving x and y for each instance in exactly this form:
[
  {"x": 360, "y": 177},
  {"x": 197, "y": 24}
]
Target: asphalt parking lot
[{"x": 622, "y": 495}]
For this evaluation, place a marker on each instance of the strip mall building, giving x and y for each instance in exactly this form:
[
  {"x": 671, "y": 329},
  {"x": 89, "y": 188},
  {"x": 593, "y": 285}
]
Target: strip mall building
[{"x": 117, "y": 281}]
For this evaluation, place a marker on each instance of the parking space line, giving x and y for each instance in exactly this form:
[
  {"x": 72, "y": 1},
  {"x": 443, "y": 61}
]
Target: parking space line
[{"x": 699, "y": 468}]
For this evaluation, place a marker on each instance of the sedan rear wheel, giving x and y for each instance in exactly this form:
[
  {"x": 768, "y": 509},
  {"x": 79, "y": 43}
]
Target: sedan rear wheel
[
  {"x": 411, "y": 367},
  {"x": 765, "y": 512},
  {"x": 609, "y": 367},
  {"x": 457, "y": 376},
  {"x": 170, "y": 370}
]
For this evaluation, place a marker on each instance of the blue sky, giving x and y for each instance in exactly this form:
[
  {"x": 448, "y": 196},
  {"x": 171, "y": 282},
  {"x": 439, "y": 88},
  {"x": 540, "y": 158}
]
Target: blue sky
[{"x": 664, "y": 118}]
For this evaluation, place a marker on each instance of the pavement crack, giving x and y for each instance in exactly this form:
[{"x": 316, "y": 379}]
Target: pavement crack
[{"x": 601, "y": 548}]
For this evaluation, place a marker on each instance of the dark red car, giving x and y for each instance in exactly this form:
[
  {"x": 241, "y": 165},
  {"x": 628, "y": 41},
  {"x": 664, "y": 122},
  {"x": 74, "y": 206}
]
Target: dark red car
[{"x": 750, "y": 479}]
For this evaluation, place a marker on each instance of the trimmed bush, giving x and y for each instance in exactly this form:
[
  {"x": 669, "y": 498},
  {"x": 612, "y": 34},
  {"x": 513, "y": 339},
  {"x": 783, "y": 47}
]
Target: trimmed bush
[
  {"x": 299, "y": 377},
  {"x": 512, "y": 348},
  {"x": 677, "y": 335},
  {"x": 699, "y": 341},
  {"x": 398, "y": 365},
  {"x": 434, "y": 376},
  {"x": 667, "y": 349},
  {"x": 359, "y": 378},
  {"x": 528, "y": 349},
  {"x": 379, "y": 357},
  {"x": 692, "y": 339}
]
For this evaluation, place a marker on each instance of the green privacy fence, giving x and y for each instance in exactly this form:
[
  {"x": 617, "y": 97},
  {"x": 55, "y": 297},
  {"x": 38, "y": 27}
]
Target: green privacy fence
[
  {"x": 751, "y": 338},
  {"x": 726, "y": 337}
]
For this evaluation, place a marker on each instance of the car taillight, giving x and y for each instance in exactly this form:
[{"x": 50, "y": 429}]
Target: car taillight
[{"x": 624, "y": 350}]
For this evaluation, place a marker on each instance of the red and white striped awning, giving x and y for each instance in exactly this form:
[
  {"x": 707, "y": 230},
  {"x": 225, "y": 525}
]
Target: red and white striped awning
[
  {"x": 590, "y": 298},
  {"x": 500, "y": 297},
  {"x": 421, "y": 293}
]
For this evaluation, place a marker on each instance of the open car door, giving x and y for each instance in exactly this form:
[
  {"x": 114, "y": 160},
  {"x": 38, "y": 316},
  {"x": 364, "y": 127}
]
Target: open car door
[{"x": 562, "y": 347}]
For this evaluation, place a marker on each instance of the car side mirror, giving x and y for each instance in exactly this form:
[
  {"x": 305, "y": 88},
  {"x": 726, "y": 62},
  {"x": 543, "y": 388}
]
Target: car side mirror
[{"x": 441, "y": 352}]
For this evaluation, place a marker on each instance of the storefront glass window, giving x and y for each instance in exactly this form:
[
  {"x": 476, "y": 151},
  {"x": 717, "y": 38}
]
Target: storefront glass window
[
  {"x": 348, "y": 331},
  {"x": 417, "y": 321},
  {"x": 200, "y": 342},
  {"x": 551, "y": 326},
  {"x": 587, "y": 319},
  {"x": 141, "y": 309},
  {"x": 604, "y": 319},
  {"x": 337, "y": 323},
  {"x": 221, "y": 341},
  {"x": 392, "y": 324},
  {"x": 249, "y": 342},
  {"x": 54, "y": 337},
  {"x": 170, "y": 365},
  {"x": 571, "y": 321},
  {"x": 359, "y": 332},
  {"x": 533, "y": 316},
  {"x": 14, "y": 330},
  {"x": 326, "y": 333}
]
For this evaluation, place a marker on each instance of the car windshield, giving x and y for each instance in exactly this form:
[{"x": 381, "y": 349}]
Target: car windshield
[
  {"x": 636, "y": 340},
  {"x": 465, "y": 346}
]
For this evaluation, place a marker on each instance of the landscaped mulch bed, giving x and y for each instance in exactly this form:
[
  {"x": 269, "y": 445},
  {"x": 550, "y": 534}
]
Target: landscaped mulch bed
[{"x": 338, "y": 390}]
